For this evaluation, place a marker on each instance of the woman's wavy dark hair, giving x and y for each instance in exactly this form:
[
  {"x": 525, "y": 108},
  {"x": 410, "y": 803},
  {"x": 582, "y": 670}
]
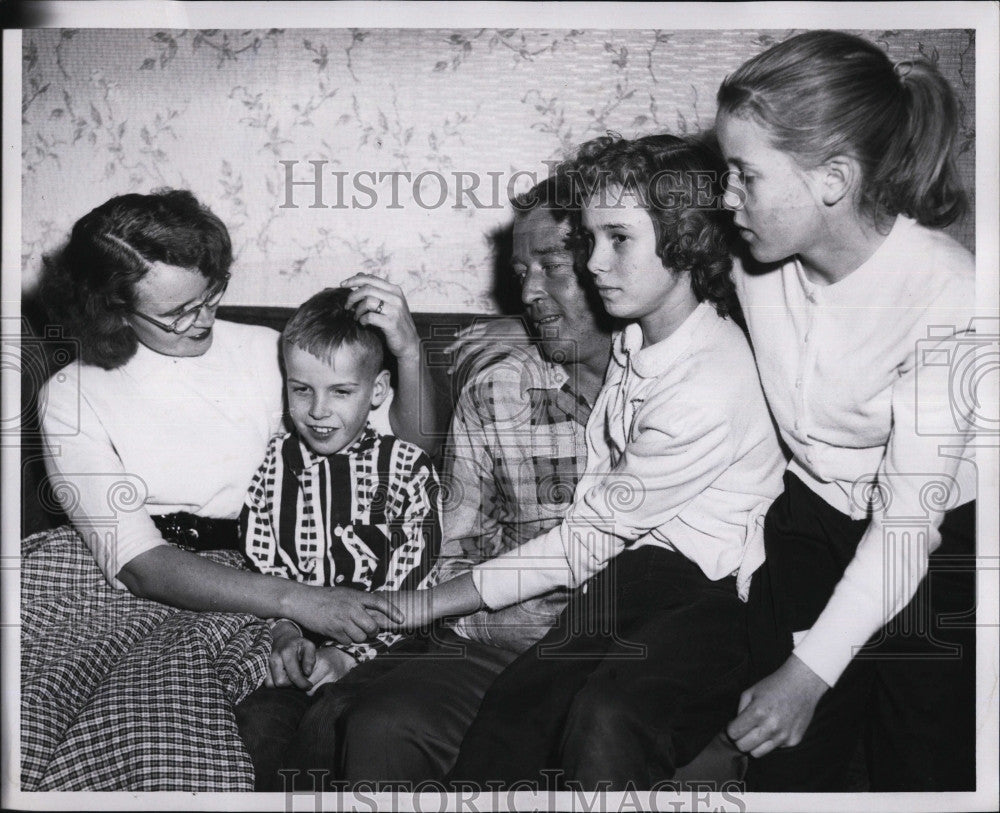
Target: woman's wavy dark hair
[
  {"x": 679, "y": 182},
  {"x": 89, "y": 285},
  {"x": 825, "y": 93}
]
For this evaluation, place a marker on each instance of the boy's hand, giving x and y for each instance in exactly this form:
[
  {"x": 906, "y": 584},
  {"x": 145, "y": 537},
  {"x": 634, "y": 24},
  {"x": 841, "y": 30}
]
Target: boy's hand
[
  {"x": 292, "y": 657},
  {"x": 331, "y": 665},
  {"x": 383, "y": 305},
  {"x": 343, "y": 614}
]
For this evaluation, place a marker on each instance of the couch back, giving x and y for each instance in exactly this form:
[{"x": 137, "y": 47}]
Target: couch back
[{"x": 44, "y": 351}]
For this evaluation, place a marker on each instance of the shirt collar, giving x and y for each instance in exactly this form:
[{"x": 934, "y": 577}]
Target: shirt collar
[
  {"x": 298, "y": 457},
  {"x": 538, "y": 373},
  {"x": 652, "y": 361}
]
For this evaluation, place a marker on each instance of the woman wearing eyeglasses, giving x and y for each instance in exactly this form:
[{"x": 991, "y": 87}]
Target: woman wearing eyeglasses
[{"x": 152, "y": 438}]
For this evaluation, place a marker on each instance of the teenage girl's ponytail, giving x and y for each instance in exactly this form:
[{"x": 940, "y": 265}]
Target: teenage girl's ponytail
[
  {"x": 918, "y": 175},
  {"x": 825, "y": 93}
]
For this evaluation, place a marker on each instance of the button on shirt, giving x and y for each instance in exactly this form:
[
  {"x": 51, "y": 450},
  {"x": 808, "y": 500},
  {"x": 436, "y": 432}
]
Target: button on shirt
[
  {"x": 857, "y": 375},
  {"x": 681, "y": 453},
  {"x": 366, "y": 517}
]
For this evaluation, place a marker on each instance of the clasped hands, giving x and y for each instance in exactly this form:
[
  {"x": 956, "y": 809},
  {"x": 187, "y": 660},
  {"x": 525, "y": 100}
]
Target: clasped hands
[
  {"x": 773, "y": 713},
  {"x": 350, "y": 616}
]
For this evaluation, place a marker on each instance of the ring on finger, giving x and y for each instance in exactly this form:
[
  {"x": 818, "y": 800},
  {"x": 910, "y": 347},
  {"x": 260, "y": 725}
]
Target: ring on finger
[{"x": 381, "y": 304}]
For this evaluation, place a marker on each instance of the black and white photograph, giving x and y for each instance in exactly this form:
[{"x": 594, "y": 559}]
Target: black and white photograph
[{"x": 498, "y": 406}]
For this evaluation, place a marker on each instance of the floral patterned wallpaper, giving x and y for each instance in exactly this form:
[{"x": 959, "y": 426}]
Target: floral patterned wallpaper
[{"x": 218, "y": 111}]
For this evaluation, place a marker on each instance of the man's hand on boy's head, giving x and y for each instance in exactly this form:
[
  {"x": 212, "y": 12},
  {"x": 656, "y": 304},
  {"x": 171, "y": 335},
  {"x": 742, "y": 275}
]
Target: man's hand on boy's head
[
  {"x": 383, "y": 305},
  {"x": 292, "y": 658}
]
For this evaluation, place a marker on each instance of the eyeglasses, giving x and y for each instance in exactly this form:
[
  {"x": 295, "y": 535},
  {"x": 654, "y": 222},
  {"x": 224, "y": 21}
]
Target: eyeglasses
[{"x": 185, "y": 321}]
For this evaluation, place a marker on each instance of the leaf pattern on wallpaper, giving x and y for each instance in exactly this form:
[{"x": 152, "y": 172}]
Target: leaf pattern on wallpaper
[
  {"x": 64, "y": 37},
  {"x": 103, "y": 127},
  {"x": 364, "y": 256},
  {"x": 304, "y": 111},
  {"x": 358, "y": 36},
  {"x": 424, "y": 282},
  {"x": 47, "y": 236},
  {"x": 322, "y": 245},
  {"x": 615, "y": 105},
  {"x": 228, "y": 46},
  {"x": 258, "y": 115},
  {"x": 32, "y": 85},
  {"x": 552, "y": 122},
  {"x": 462, "y": 44},
  {"x": 217, "y": 110},
  {"x": 322, "y": 58},
  {"x": 97, "y": 123},
  {"x": 371, "y": 260},
  {"x": 449, "y": 134},
  {"x": 166, "y": 42},
  {"x": 967, "y": 129},
  {"x": 659, "y": 38},
  {"x": 385, "y": 132},
  {"x": 224, "y": 46},
  {"x": 232, "y": 192}
]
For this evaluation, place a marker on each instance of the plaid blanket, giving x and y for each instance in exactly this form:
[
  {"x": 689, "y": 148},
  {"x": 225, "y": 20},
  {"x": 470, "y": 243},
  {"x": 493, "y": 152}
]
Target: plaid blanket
[{"x": 122, "y": 693}]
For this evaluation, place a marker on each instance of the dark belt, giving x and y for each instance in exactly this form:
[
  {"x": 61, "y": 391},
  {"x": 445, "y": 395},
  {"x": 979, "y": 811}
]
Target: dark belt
[{"x": 199, "y": 533}]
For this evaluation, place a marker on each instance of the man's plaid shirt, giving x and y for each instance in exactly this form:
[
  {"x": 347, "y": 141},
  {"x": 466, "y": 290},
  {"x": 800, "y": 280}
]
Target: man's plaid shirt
[
  {"x": 515, "y": 453},
  {"x": 366, "y": 517}
]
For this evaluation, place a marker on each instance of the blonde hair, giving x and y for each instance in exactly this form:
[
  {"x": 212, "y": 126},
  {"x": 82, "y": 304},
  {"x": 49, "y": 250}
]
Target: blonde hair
[{"x": 826, "y": 93}]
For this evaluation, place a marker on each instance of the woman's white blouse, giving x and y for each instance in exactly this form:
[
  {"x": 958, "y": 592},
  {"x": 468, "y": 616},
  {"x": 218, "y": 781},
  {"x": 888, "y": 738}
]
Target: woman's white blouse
[
  {"x": 160, "y": 434},
  {"x": 861, "y": 378}
]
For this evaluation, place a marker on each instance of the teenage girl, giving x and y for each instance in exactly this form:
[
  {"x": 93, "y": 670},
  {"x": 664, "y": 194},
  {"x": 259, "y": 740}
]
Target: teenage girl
[
  {"x": 647, "y": 663},
  {"x": 841, "y": 168}
]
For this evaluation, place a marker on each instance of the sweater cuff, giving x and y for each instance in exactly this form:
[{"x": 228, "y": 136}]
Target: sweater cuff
[
  {"x": 522, "y": 573},
  {"x": 836, "y": 637}
]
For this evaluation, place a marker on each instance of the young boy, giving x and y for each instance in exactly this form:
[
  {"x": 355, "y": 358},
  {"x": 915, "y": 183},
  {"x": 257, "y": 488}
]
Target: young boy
[{"x": 334, "y": 503}]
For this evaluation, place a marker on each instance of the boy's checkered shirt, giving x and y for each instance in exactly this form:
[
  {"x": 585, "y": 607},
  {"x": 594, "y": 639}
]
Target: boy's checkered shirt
[{"x": 367, "y": 517}]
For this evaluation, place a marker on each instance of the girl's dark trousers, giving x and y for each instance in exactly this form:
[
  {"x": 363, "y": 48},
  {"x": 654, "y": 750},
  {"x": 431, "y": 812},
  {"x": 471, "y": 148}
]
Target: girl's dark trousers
[
  {"x": 643, "y": 669},
  {"x": 909, "y": 694}
]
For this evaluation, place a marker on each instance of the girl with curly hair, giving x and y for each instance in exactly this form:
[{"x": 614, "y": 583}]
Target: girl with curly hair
[{"x": 648, "y": 660}]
